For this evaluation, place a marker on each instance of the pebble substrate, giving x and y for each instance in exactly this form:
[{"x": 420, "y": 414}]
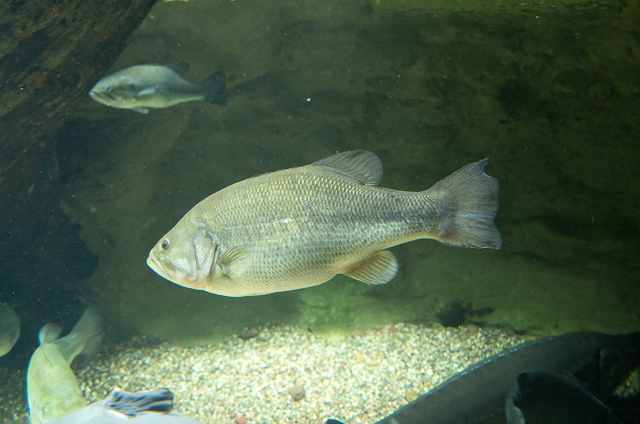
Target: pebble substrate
[{"x": 356, "y": 379}]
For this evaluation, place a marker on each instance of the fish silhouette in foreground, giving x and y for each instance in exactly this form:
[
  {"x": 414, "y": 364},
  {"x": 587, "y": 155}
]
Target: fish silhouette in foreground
[
  {"x": 52, "y": 388},
  {"x": 479, "y": 393},
  {"x": 149, "y": 407},
  {"x": 545, "y": 397},
  {"x": 299, "y": 227},
  {"x": 156, "y": 86},
  {"x": 9, "y": 328}
]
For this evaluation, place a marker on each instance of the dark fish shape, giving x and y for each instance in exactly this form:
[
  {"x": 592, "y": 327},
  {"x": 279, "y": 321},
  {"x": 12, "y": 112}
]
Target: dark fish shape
[
  {"x": 545, "y": 397},
  {"x": 120, "y": 407},
  {"x": 479, "y": 392},
  {"x": 156, "y": 86},
  {"x": 9, "y": 328}
]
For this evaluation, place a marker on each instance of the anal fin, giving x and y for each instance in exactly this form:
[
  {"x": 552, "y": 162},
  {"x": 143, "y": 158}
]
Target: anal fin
[{"x": 379, "y": 268}]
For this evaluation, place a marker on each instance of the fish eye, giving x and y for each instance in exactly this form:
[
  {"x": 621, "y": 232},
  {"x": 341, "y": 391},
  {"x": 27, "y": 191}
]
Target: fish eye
[
  {"x": 108, "y": 89},
  {"x": 165, "y": 245}
]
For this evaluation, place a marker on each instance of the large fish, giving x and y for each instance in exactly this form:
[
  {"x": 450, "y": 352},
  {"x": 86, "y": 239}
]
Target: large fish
[
  {"x": 156, "y": 86},
  {"x": 52, "y": 388},
  {"x": 300, "y": 227},
  {"x": 120, "y": 407},
  {"x": 546, "y": 397},
  {"x": 479, "y": 392},
  {"x": 9, "y": 328}
]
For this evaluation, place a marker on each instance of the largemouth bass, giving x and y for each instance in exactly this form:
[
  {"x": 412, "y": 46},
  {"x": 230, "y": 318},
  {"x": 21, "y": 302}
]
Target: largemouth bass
[
  {"x": 300, "y": 227},
  {"x": 156, "y": 86},
  {"x": 52, "y": 388}
]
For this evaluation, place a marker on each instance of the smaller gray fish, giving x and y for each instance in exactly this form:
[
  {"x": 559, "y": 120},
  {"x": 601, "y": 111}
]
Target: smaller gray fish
[
  {"x": 149, "y": 407},
  {"x": 9, "y": 328},
  {"x": 156, "y": 86}
]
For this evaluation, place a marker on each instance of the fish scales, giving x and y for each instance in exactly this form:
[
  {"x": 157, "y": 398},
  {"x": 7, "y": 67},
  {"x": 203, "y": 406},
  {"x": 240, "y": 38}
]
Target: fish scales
[
  {"x": 299, "y": 227},
  {"x": 313, "y": 211},
  {"x": 319, "y": 223}
]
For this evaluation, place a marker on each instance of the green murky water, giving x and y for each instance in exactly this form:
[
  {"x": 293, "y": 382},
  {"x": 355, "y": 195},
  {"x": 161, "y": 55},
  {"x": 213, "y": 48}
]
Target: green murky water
[{"x": 548, "y": 92}]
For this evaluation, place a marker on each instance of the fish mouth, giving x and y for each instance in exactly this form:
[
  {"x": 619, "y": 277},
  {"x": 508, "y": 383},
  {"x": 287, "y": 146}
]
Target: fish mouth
[
  {"x": 101, "y": 95},
  {"x": 155, "y": 265},
  {"x": 176, "y": 277}
]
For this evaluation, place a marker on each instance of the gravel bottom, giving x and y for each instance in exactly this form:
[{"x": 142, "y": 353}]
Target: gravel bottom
[{"x": 287, "y": 375}]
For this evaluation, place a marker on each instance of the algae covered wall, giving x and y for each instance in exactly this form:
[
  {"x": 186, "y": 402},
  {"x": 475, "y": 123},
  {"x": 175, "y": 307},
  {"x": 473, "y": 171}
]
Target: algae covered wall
[{"x": 548, "y": 92}]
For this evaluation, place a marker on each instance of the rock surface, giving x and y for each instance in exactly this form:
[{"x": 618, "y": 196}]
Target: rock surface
[{"x": 51, "y": 53}]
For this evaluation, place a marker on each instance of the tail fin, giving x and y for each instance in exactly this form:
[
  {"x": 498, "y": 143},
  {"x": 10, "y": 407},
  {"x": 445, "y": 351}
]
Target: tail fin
[
  {"x": 85, "y": 337},
  {"x": 132, "y": 404},
  {"x": 49, "y": 333},
  {"x": 470, "y": 203},
  {"x": 214, "y": 88}
]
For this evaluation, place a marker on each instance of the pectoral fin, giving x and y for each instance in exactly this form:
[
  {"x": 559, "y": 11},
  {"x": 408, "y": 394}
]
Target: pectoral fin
[
  {"x": 141, "y": 110},
  {"x": 234, "y": 261},
  {"x": 379, "y": 268},
  {"x": 149, "y": 91}
]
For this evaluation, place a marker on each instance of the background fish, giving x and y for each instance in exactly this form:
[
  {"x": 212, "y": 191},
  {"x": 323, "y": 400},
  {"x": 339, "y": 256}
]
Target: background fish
[
  {"x": 9, "y": 328},
  {"x": 156, "y": 86},
  {"x": 152, "y": 407},
  {"x": 52, "y": 388},
  {"x": 299, "y": 227}
]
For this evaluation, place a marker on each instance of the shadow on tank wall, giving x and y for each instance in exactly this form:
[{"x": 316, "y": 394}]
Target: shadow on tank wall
[{"x": 51, "y": 52}]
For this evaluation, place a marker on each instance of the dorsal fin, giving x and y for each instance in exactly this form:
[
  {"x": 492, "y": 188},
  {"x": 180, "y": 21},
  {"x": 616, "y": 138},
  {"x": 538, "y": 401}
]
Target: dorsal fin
[
  {"x": 362, "y": 165},
  {"x": 179, "y": 68}
]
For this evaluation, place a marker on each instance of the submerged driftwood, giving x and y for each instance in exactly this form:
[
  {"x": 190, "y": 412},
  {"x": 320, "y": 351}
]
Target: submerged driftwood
[{"x": 51, "y": 53}]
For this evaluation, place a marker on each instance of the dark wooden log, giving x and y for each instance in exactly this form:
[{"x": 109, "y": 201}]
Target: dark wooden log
[{"x": 51, "y": 53}]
